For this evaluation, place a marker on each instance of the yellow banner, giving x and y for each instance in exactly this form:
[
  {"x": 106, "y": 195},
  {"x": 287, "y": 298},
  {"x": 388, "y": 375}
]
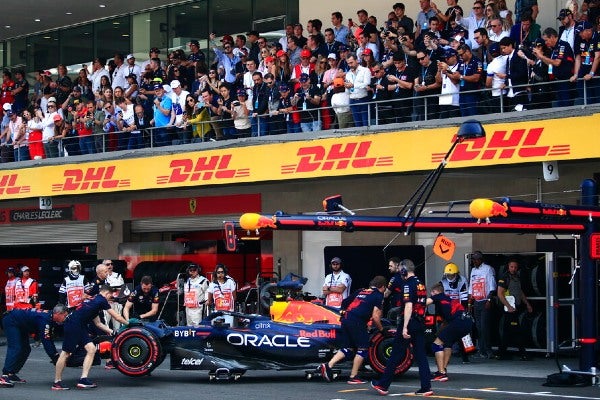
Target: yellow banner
[{"x": 507, "y": 143}]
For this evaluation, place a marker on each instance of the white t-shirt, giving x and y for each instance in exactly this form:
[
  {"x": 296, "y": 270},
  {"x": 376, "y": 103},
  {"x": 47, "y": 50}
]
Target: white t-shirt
[
  {"x": 450, "y": 91},
  {"x": 495, "y": 67},
  {"x": 223, "y": 294}
]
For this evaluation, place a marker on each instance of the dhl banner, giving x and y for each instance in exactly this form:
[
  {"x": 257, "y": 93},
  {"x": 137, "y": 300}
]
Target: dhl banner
[{"x": 506, "y": 143}]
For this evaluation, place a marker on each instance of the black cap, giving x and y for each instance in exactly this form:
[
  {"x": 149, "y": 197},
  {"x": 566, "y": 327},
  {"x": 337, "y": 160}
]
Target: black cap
[
  {"x": 253, "y": 33},
  {"x": 194, "y": 43},
  {"x": 155, "y": 50}
]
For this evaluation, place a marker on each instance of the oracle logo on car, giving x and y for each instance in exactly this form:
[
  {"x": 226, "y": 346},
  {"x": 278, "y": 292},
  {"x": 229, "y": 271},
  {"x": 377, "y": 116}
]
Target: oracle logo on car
[
  {"x": 245, "y": 339},
  {"x": 337, "y": 156},
  {"x": 504, "y": 145}
]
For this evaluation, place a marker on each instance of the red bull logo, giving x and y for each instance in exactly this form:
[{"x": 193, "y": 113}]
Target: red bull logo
[
  {"x": 486, "y": 208},
  {"x": 252, "y": 221}
]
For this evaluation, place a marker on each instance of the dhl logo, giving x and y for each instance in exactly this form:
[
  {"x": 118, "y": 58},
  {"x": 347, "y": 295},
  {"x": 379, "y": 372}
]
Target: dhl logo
[
  {"x": 8, "y": 185},
  {"x": 337, "y": 156},
  {"x": 90, "y": 178},
  {"x": 202, "y": 169},
  {"x": 502, "y": 145}
]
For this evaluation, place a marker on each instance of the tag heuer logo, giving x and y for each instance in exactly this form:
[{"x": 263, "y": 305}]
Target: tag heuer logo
[{"x": 192, "y": 206}]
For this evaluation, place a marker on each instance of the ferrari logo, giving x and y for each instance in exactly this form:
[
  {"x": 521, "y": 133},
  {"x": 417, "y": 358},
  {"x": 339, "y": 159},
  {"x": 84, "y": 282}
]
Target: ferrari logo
[{"x": 192, "y": 206}]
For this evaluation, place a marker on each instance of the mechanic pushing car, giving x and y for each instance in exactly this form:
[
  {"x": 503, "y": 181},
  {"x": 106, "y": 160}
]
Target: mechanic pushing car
[
  {"x": 143, "y": 300},
  {"x": 363, "y": 305}
]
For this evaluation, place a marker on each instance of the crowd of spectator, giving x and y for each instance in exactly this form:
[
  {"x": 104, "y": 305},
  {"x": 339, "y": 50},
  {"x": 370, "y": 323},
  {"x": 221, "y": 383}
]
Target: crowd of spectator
[{"x": 443, "y": 63}]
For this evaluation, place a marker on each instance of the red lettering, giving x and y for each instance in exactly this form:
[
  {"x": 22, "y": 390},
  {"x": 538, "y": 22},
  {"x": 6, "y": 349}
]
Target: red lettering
[
  {"x": 90, "y": 178},
  {"x": 205, "y": 169},
  {"x": 338, "y": 156}
]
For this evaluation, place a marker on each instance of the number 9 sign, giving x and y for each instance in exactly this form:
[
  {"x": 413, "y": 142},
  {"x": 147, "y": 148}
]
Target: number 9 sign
[{"x": 550, "y": 169}]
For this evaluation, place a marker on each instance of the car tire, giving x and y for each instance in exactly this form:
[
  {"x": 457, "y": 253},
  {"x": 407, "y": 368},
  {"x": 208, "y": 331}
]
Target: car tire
[
  {"x": 136, "y": 351},
  {"x": 380, "y": 350}
]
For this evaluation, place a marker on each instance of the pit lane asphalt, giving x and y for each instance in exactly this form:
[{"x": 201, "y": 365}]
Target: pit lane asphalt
[{"x": 482, "y": 379}]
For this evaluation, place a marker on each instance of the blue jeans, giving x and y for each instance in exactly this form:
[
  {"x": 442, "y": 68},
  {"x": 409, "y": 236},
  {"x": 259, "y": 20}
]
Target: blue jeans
[
  {"x": 87, "y": 145},
  {"x": 468, "y": 104},
  {"x": 293, "y": 127},
  {"x": 310, "y": 126},
  {"x": 21, "y": 153},
  {"x": 264, "y": 123},
  {"x": 360, "y": 111}
]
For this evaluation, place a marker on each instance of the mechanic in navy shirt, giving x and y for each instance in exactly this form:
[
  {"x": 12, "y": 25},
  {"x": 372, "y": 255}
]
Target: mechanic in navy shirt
[
  {"x": 18, "y": 325},
  {"x": 469, "y": 74},
  {"x": 587, "y": 57},
  {"x": 456, "y": 325},
  {"x": 76, "y": 334},
  {"x": 144, "y": 300},
  {"x": 561, "y": 64},
  {"x": 363, "y": 305},
  {"x": 411, "y": 331}
]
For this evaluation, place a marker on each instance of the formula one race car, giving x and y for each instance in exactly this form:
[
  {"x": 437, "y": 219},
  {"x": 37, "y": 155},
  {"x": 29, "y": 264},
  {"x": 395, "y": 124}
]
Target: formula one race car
[{"x": 298, "y": 335}]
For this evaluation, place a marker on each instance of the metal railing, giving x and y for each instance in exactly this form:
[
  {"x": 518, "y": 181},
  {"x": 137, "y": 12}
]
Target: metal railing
[{"x": 410, "y": 109}]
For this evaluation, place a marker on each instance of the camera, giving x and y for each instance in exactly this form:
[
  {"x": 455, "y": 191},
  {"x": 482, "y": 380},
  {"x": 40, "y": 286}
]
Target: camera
[
  {"x": 527, "y": 51},
  {"x": 235, "y": 103}
]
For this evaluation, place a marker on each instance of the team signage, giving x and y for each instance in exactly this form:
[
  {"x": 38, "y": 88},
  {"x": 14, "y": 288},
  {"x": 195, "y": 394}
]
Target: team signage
[
  {"x": 74, "y": 212},
  {"x": 378, "y": 153}
]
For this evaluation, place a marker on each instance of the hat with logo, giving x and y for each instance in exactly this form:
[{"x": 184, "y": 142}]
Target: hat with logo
[
  {"x": 10, "y": 269},
  {"x": 158, "y": 86},
  {"x": 227, "y": 38},
  {"x": 565, "y": 12},
  {"x": 336, "y": 260},
  {"x": 342, "y": 47},
  {"x": 24, "y": 268},
  {"x": 129, "y": 57},
  {"x": 450, "y": 52},
  {"x": 77, "y": 88},
  {"x": 477, "y": 255},
  {"x": 242, "y": 92},
  {"x": 194, "y": 42},
  {"x": 57, "y": 117},
  {"x": 281, "y": 53},
  {"x": 305, "y": 53},
  {"x": 284, "y": 88},
  {"x": 154, "y": 50},
  {"x": 494, "y": 49},
  {"x": 76, "y": 101},
  {"x": 8, "y": 106},
  {"x": 52, "y": 100},
  {"x": 367, "y": 52},
  {"x": 582, "y": 26},
  {"x": 331, "y": 56},
  {"x": 338, "y": 82},
  {"x": 269, "y": 59},
  {"x": 175, "y": 84},
  {"x": 304, "y": 78},
  {"x": 10, "y": 113}
]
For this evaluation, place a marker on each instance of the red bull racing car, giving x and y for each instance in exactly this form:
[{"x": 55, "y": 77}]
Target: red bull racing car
[{"x": 298, "y": 335}]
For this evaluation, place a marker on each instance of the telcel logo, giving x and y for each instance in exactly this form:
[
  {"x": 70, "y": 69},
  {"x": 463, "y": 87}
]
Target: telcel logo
[
  {"x": 336, "y": 157},
  {"x": 90, "y": 178},
  {"x": 192, "y": 361},
  {"x": 242, "y": 339},
  {"x": 202, "y": 169}
]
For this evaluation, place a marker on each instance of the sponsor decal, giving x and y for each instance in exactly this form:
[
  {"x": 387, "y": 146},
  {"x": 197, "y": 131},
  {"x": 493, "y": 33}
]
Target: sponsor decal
[
  {"x": 192, "y": 361},
  {"x": 502, "y": 145},
  {"x": 90, "y": 178},
  {"x": 262, "y": 325},
  {"x": 329, "y": 334},
  {"x": 201, "y": 169},
  {"x": 353, "y": 155},
  {"x": 193, "y": 205},
  {"x": 184, "y": 333},
  {"x": 245, "y": 339},
  {"x": 8, "y": 185}
]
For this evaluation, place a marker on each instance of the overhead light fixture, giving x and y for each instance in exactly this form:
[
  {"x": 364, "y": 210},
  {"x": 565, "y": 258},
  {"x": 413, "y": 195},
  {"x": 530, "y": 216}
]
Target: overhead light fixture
[
  {"x": 37, "y": 20},
  {"x": 69, "y": 13},
  {"x": 7, "y": 26},
  {"x": 101, "y": 5}
]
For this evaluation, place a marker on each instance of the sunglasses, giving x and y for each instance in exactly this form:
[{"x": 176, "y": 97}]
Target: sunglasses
[
  {"x": 220, "y": 272},
  {"x": 421, "y": 58},
  {"x": 108, "y": 263},
  {"x": 191, "y": 100}
]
